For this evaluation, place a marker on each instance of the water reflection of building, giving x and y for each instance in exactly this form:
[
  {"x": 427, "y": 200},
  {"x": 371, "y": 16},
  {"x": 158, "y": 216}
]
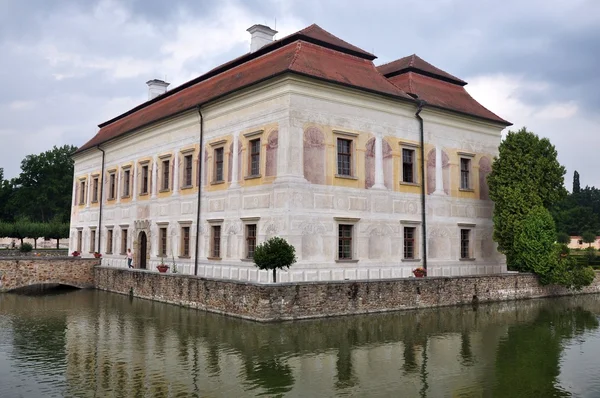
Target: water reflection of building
[{"x": 143, "y": 348}]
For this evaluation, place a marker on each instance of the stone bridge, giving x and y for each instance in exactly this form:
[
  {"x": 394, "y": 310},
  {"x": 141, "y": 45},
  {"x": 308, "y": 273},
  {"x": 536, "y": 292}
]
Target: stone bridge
[{"x": 28, "y": 271}]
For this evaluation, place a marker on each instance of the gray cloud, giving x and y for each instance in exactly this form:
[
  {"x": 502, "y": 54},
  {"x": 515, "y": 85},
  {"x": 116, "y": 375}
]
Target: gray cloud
[{"x": 69, "y": 65}]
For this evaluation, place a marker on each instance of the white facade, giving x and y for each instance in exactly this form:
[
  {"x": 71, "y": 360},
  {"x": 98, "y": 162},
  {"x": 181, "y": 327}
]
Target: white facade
[{"x": 282, "y": 202}]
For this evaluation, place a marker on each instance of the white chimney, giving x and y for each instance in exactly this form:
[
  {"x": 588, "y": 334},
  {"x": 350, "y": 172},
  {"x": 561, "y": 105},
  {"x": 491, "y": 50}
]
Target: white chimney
[
  {"x": 156, "y": 87},
  {"x": 261, "y": 36}
]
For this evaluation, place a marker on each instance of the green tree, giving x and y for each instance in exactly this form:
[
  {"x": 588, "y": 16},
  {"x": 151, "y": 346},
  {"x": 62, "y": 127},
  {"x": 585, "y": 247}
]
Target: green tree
[
  {"x": 44, "y": 187},
  {"x": 563, "y": 238},
  {"x": 276, "y": 253},
  {"x": 57, "y": 230},
  {"x": 588, "y": 237},
  {"x": 526, "y": 174},
  {"x": 534, "y": 244},
  {"x": 576, "y": 185},
  {"x": 6, "y": 191}
]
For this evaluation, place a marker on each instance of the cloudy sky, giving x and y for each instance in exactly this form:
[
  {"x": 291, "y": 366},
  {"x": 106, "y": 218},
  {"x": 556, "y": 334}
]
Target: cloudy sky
[{"x": 67, "y": 66}]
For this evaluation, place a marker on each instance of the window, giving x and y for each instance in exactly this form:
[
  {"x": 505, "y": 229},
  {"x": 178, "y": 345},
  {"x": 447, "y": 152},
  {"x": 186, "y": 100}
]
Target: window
[
  {"x": 255, "y": 157},
  {"x": 124, "y": 240},
  {"x": 82, "y": 192},
  {"x": 92, "y": 241},
  {"x": 345, "y": 242},
  {"x": 218, "y": 177},
  {"x": 580, "y": 241},
  {"x": 465, "y": 169},
  {"x": 109, "y": 241},
  {"x": 408, "y": 165},
  {"x": 250, "y": 240},
  {"x": 165, "y": 174},
  {"x": 409, "y": 242},
  {"x": 185, "y": 241},
  {"x": 126, "y": 178},
  {"x": 79, "y": 240},
  {"x": 162, "y": 248},
  {"x": 344, "y": 157},
  {"x": 95, "y": 190},
  {"x": 112, "y": 188},
  {"x": 216, "y": 241},
  {"x": 465, "y": 247},
  {"x": 144, "y": 188},
  {"x": 188, "y": 167}
]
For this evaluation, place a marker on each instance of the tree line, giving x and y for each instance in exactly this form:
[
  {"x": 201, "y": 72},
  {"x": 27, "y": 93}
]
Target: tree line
[
  {"x": 578, "y": 212},
  {"x": 37, "y": 203}
]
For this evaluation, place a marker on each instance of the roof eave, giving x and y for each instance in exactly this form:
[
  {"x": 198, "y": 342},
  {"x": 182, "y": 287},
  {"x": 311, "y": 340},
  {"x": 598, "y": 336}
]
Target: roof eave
[{"x": 498, "y": 121}]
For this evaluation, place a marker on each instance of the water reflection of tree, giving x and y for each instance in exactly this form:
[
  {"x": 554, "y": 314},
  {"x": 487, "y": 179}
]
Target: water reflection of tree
[
  {"x": 273, "y": 375},
  {"x": 528, "y": 359}
]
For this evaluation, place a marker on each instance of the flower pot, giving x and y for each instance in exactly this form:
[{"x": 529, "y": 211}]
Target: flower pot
[
  {"x": 419, "y": 275},
  {"x": 162, "y": 268}
]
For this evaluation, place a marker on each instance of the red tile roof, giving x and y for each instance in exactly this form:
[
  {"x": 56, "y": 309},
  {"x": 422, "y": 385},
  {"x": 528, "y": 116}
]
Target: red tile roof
[
  {"x": 414, "y": 63},
  {"x": 311, "y": 52},
  {"x": 441, "y": 94},
  {"x": 301, "y": 58}
]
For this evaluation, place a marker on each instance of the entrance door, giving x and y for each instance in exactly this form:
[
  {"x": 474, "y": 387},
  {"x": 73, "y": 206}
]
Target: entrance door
[{"x": 143, "y": 248}]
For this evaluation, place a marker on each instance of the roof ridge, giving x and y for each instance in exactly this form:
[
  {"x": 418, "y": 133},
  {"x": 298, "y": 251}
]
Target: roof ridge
[{"x": 296, "y": 53}]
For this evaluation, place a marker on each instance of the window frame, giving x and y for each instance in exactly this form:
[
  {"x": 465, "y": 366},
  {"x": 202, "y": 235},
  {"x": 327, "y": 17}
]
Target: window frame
[
  {"x": 470, "y": 230},
  {"x": 215, "y": 179},
  {"x": 95, "y": 185},
  {"x": 352, "y": 223},
  {"x": 415, "y": 225},
  {"x": 112, "y": 185},
  {"x": 251, "y": 154},
  {"x": 79, "y": 242},
  {"x": 188, "y": 170},
  {"x": 109, "y": 240},
  {"x": 215, "y": 222},
  {"x": 82, "y": 191},
  {"x": 145, "y": 179},
  {"x": 126, "y": 186},
  {"x": 124, "y": 238},
  {"x": 468, "y": 158},
  {"x": 406, "y": 146},
  {"x": 352, "y": 154},
  {"x": 165, "y": 174},
  {"x": 249, "y": 138},
  {"x": 163, "y": 240},
  {"x": 409, "y": 247},
  {"x": 185, "y": 243},
  {"x": 92, "y": 240}
]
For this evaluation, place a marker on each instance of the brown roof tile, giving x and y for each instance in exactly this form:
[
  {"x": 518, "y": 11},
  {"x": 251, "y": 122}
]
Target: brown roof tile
[
  {"x": 444, "y": 95},
  {"x": 414, "y": 63},
  {"x": 303, "y": 58}
]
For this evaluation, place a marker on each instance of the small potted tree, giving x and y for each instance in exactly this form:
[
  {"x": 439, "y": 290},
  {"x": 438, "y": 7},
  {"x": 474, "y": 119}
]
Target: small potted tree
[{"x": 276, "y": 253}]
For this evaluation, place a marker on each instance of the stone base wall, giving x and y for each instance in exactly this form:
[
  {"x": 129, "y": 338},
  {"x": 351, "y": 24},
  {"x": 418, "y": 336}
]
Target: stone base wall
[
  {"x": 288, "y": 301},
  {"x": 27, "y": 271}
]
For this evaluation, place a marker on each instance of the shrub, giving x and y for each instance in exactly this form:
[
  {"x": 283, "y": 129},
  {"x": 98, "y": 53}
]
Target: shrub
[
  {"x": 276, "y": 253},
  {"x": 26, "y": 248},
  {"x": 588, "y": 237},
  {"x": 534, "y": 245}
]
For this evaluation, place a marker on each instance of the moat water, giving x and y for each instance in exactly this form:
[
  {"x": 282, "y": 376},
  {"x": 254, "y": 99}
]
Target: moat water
[{"x": 97, "y": 344}]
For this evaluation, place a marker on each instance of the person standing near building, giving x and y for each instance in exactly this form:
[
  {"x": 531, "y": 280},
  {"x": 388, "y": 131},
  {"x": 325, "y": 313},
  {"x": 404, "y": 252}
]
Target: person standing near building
[{"x": 129, "y": 258}]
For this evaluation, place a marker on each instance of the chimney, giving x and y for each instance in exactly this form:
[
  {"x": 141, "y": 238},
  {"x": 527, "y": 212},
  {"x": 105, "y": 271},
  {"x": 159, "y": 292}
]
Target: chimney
[
  {"x": 156, "y": 87},
  {"x": 261, "y": 36}
]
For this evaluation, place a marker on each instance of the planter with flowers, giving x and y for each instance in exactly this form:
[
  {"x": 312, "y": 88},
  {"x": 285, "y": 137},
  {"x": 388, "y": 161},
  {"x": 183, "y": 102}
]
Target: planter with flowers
[
  {"x": 75, "y": 254},
  {"x": 162, "y": 267},
  {"x": 97, "y": 255},
  {"x": 419, "y": 272}
]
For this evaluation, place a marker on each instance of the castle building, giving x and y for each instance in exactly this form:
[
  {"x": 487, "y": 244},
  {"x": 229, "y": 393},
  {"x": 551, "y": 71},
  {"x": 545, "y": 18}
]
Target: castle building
[{"x": 369, "y": 171}]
